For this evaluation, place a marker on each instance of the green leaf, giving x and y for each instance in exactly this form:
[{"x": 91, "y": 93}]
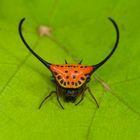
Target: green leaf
[{"x": 80, "y": 30}]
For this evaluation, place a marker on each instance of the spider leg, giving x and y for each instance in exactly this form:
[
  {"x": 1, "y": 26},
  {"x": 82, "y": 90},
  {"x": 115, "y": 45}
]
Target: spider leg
[
  {"x": 82, "y": 96},
  {"x": 46, "y": 98},
  {"x": 57, "y": 94},
  {"x": 59, "y": 102},
  {"x": 87, "y": 88}
]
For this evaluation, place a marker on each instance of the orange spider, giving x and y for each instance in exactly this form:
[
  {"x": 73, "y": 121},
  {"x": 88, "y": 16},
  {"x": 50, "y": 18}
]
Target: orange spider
[{"x": 71, "y": 79}]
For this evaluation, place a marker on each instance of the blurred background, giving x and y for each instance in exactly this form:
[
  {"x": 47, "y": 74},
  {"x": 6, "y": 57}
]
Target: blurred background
[{"x": 75, "y": 30}]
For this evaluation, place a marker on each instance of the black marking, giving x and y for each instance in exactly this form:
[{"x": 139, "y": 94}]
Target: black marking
[
  {"x": 81, "y": 66},
  {"x": 76, "y": 84},
  {"x": 66, "y": 71},
  {"x": 55, "y": 73},
  {"x": 82, "y": 78},
  {"x": 67, "y": 77},
  {"x": 59, "y": 77},
  {"x": 62, "y": 66},
  {"x": 73, "y": 76},
  {"x": 75, "y": 71},
  {"x": 69, "y": 66},
  {"x": 85, "y": 66},
  {"x": 74, "y": 66},
  {"x": 61, "y": 81},
  {"x": 68, "y": 82},
  {"x": 64, "y": 83},
  {"x": 79, "y": 82},
  {"x": 72, "y": 83},
  {"x": 87, "y": 75}
]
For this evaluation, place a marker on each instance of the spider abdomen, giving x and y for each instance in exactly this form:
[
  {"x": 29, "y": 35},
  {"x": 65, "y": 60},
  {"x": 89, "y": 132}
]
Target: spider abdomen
[{"x": 71, "y": 75}]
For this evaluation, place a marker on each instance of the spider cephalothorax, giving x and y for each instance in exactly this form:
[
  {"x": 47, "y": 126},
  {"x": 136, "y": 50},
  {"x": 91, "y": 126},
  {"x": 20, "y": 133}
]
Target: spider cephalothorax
[{"x": 71, "y": 79}]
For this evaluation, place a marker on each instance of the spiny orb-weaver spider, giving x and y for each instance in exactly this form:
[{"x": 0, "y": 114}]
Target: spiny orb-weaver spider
[{"x": 71, "y": 79}]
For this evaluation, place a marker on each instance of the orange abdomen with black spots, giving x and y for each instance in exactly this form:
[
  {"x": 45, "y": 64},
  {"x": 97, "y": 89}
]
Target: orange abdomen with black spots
[{"x": 71, "y": 75}]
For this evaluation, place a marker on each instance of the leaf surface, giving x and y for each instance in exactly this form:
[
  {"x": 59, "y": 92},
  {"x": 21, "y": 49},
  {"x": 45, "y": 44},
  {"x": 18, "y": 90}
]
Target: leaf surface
[{"x": 80, "y": 30}]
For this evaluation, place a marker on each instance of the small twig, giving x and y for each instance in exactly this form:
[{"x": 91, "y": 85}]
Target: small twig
[{"x": 103, "y": 83}]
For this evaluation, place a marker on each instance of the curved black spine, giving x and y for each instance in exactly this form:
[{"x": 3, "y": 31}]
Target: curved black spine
[
  {"x": 95, "y": 67},
  {"x": 28, "y": 47}
]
